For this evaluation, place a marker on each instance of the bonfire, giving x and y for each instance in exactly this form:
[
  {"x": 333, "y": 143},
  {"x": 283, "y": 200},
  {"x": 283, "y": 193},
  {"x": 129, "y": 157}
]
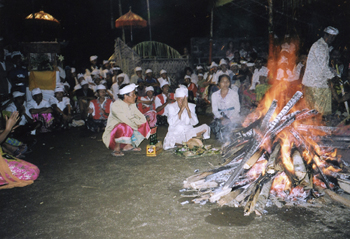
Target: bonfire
[{"x": 282, "y": 154}]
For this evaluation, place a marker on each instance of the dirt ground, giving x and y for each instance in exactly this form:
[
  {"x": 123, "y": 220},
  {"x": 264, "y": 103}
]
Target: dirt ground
[{"x": 85, "y": 192}]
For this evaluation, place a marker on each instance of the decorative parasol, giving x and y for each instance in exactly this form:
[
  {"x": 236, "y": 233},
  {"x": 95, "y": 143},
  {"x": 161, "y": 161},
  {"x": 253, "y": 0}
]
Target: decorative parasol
[
  {"x": 130, "y": 19},
  {"x": 42, "y": 16}
]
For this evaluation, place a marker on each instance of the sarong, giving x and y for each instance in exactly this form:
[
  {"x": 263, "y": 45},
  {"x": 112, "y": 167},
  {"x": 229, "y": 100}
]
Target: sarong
[
  {"x": 15, "y": 172},
  {"x": 319, "y": 99},
  {"x": 46, "y": 119},
  {"x": 151, "y": 117},
  {"x": 124, "y": 134}
]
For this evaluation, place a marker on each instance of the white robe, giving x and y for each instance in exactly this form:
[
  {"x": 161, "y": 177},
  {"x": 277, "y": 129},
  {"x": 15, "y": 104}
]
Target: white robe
[{"x": 182, "y": 130}]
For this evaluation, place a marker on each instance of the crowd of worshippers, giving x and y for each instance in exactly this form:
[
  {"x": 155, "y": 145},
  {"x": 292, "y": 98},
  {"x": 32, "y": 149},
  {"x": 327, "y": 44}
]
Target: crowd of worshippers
[{"x": 105, "y": 99}]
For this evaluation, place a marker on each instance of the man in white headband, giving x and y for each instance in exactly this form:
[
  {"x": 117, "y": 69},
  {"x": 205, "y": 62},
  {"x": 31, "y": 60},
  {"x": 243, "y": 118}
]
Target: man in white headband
[
  {"x": 164, "y": 77},
  {"x": 40, "y": 110},
  {"x": 138, "y": 75},
  {"x": 84, "y": 95},
  {"x": 93, "y": 61},
  {"x": 151, "y": 81},
  {"x": 181, "y": 118},
  {"x": 161, "y": 101},
  {"x": 99, "y": 110},
  {"x": 126, "y": 125},
  {"x": 317, "y": 73},
  {"x": 62, "y": 109}
]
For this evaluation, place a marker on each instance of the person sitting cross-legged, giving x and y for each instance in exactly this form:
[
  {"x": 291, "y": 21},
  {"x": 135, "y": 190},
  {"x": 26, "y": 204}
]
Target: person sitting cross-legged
[
  {"x": 126, "y": 126},
  {"x": 181, "y": 118}
]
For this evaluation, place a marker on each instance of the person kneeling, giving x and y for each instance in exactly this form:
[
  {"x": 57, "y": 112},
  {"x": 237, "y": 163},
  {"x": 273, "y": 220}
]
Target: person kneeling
[
  {"x": 181, "y": 119},
  {"x": 126, "y": 126}
]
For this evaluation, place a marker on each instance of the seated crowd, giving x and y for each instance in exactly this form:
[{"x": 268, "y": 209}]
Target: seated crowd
[{"x": 105, "y": 99}]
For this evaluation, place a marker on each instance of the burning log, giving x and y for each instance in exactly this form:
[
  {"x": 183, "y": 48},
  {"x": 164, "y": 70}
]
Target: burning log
[
  {"x": 263, "y": 196},
  {"x": 299, "y": 166},
  {"x": 277, "y": 159}
]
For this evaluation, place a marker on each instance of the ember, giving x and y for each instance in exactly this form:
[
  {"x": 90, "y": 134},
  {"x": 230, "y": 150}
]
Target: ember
[{"x": 281, "y": 157}]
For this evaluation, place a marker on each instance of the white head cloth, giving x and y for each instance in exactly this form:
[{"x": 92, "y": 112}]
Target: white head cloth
[
  {"x": 80, "y": 75},
  {"x": 92, "y": 58},
  {"x": 243, "y": 62},
  {"x": 36, "y": 91},
  {"x": 250, "y": 64},
  {"x": 223, "y": 62},
  {"x": 127, "y": 89},
  {"x": 83, "y": 82},
  {"x": 149, "y": 71},
  {"x": 116, "y": 68},
  {"x": 138, "y": 69},
  {"x": 105, "y": 62},
  {"x": 199, "y": 67},
  {"x": 187, "y": 77},
  {"x": 103, "y": 82},
  {"x": 331, "y": 30},
  {"x": 16, "y": 53},
  {"x": 72, "y": 69},
  {"x": 213, "y": 64},
  {"x": 100, "y": 87},
  {"x": 121, "y": 75},
  {"x": 59, "y": 89},
  {"x": 200, "y": 74},
  {"x": 16, "y": 94},
  {"x": 163, "y": 72},
  {"x": 163, "y": 83},
  {"x": 182, "y": 91},
  {"x": 95, "y": 72},
  {"x": 149, "y": 88}
]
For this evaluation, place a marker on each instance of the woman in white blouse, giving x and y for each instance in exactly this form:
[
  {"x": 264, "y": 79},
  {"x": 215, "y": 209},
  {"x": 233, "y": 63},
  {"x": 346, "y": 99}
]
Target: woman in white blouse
[{"x": 226, "y": 108}]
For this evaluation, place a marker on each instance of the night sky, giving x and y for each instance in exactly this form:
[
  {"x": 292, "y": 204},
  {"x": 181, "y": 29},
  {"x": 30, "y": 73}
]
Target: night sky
[{"x": 86, "y": 25}]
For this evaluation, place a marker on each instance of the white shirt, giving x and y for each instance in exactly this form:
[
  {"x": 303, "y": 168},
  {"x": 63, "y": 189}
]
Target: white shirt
[
  {"x": 115, "y": 90},
  {"x": 33, "y": 105},
  {"x": 231, "y": 100},
  {"x": 194, "y": 79},
  {"x": 317, "y": 70},
  {"x": 12, "y": 108},
  {"x": 126, "y": 79},
  {"x": 181, "y": 130},
  {"x": 263, "y": 71},
  {"x": 62, "y": 104},
  {"x": 161, "y": 79}
]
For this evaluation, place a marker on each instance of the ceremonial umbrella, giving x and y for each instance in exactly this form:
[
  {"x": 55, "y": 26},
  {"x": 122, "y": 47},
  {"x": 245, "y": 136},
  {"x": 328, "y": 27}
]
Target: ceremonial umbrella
[
  {"x": 41, "y": 26},
  {"x": 42, "y": 16},
  {"x": 130, "y": 19}
]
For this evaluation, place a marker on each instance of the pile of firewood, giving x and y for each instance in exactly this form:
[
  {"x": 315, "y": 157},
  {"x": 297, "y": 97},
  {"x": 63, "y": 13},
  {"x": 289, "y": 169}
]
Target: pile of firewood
[{"x": 255, "y": 173}]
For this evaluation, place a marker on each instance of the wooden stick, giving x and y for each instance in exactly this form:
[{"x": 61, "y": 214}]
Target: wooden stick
[
  {"x": 271, "y": 164},
  {"x": 334, "y": 196},
  {"x": 268, "y": 115},
  {"x": 250, "y": 205},
  {"x": 253, "y": 159},
  {"x": 229, "y": 197},
  {"x": 299, "y": 166},
  {"x": 262, "y": 199}
]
